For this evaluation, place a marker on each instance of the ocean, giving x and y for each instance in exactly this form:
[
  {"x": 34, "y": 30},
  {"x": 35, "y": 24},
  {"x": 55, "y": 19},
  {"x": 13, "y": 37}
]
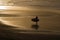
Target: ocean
[{"x": 48, "y": 21}]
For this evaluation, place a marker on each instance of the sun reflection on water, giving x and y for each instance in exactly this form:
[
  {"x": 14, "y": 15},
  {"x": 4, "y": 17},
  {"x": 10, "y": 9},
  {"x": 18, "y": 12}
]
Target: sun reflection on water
[{"x": 3, "y": 7}]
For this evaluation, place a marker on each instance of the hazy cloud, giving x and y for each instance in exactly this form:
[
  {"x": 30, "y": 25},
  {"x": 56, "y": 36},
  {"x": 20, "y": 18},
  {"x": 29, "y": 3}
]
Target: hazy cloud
[{"x": 44, "y": 3}]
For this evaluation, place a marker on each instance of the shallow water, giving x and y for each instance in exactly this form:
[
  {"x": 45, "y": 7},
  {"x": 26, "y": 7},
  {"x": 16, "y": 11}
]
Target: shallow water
[{"x": 50, "y": 23}]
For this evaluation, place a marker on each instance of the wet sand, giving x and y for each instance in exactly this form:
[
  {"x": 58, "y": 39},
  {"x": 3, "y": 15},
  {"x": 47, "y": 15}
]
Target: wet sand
[{"x": 7, "y": 33}]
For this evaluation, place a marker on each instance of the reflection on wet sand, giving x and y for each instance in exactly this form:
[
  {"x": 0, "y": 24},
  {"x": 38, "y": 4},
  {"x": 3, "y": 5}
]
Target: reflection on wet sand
[{"x": 35, "y": 26}]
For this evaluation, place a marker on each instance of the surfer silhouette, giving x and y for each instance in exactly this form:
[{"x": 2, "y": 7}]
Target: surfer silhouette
[
  {"x": 35, "y": 26},
  {"x": 35, "y": 19}
]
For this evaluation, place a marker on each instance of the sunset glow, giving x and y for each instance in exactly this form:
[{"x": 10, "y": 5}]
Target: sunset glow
[{"x": 3, "y": 7}]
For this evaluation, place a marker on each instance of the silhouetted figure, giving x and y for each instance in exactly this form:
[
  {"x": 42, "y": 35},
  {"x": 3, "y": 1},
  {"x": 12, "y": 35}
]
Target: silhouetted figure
[
  {"x": 35, "y": 26},
  {"x": 35, "y": 19}
]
